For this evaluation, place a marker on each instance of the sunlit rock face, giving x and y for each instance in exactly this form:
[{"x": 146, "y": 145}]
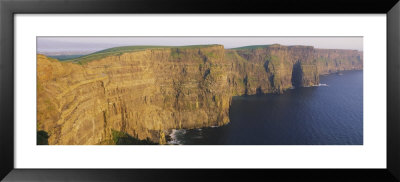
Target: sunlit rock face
[{"x": 147, "y": 93}]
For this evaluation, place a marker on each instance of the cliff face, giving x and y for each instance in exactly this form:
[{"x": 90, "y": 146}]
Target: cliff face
[
  {"x": 277, "y": 68},
  {"x": 334, "y": 60},
  {"x": 146, "y": 93},
  {"x": 141, "y": 93}
]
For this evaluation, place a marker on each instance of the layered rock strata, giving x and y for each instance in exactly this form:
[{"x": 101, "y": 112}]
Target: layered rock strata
[{"x": 147, "y": 93}]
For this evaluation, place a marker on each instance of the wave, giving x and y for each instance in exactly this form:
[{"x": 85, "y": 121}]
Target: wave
[
  {"x": 322, "y": 85},
  {"x": 175, "y": 136},
  {"x": 319, "y": 85}
]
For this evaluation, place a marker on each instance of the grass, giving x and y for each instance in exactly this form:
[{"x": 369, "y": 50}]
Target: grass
[
  {"x": 121, "y": 138},
  {"x": 65, "y": 57},
  {"x": 42, "y": 138},
  {"x": 252, "y": 47},
  {"x": 124, "y": 49},
  {"x": 273, "y": 62},
  {"x": 233, "y": 55}
]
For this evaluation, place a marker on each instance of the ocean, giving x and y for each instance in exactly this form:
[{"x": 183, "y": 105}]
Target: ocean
[{"x": 328, "y": 114}]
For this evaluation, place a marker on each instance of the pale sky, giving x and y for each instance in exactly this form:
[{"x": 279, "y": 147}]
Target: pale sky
[{"x": 92, "y": 44}]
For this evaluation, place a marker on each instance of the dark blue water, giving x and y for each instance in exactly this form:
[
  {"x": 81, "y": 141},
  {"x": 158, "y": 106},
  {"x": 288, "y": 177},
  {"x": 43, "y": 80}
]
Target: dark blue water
[{"x": 322, "y": 115}]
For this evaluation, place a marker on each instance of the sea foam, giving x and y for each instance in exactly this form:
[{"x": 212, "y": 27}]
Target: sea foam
[{"x": 175, "y": 136}]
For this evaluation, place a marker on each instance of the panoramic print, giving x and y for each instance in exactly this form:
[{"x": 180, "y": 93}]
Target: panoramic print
[{"x": 199, "y": 90}]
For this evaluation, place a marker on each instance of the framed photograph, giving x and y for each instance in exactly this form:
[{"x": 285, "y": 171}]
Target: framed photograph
[{"x": 132, "y": 90}]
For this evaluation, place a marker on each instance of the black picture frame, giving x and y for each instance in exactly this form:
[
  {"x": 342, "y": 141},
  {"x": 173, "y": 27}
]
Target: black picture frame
[{"x": 9, "y": 8}]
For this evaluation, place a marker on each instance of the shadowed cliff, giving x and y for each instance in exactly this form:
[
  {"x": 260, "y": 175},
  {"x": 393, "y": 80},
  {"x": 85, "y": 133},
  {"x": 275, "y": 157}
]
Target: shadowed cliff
[{"x": 144, "y": 92}]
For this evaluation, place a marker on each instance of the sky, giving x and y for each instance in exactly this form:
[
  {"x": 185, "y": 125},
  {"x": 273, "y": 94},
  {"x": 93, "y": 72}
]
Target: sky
[{"x": 78, "y": 45}]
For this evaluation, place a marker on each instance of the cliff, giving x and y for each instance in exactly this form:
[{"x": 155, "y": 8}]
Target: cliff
[
  {"x": 147, "y": 92},
  {"x": 334, "y": 60}
]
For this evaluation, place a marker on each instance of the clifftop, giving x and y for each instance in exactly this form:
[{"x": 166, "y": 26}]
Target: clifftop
[
  {"x": 273, "y": 46},
  {"x": 116, "y": 51}
]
